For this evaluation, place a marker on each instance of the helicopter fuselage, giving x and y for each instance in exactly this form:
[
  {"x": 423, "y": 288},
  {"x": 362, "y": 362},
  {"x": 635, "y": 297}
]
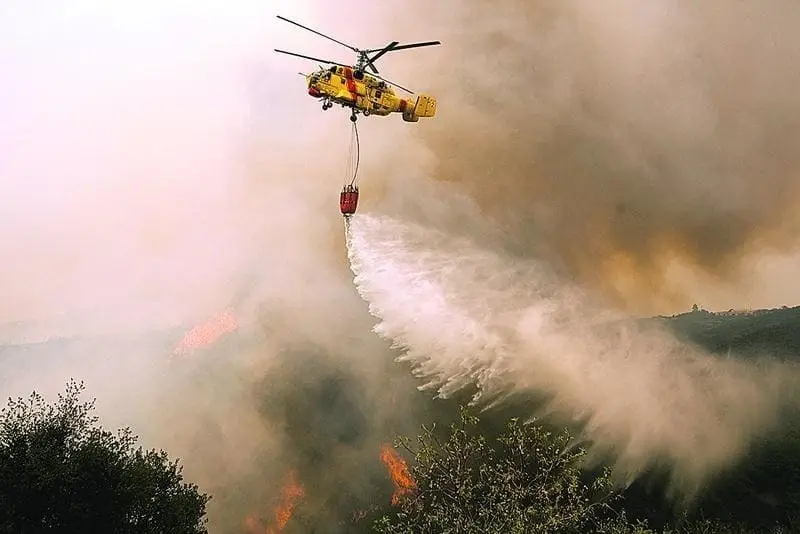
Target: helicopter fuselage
[{"x": 365, "y": 94}]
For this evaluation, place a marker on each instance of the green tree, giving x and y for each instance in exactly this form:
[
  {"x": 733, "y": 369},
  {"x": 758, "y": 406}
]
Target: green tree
[
  {"x": 61, "y": 472},
  {"x": 526, "y": 479}
]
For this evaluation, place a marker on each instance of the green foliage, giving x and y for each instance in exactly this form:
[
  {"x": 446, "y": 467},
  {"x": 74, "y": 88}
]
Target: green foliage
[
  {"x": 772, "y": 332},
  {"x": 526, "y": 479},
  {"x": 61, "y": 472}
]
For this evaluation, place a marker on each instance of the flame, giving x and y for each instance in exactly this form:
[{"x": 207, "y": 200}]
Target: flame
[
  {"x": 207, "y": 333},
  {"x": 291, "y": 495},
  {"x": 398, "y": 470}
]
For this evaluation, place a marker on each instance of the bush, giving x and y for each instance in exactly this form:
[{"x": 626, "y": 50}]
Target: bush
[
  {"x": 61, "y": 472},
  {"x": 526, "y": 479}
]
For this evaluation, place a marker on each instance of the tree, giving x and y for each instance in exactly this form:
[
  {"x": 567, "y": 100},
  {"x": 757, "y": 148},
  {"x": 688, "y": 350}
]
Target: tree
[
  {"x": 526, "y": 479},
  {"x": 61, "y": 472}
]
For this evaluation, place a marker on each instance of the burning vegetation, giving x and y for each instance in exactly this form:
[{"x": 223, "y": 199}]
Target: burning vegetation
[
  {"x": 398, "y": 471},
  {"x": 313, "y": 404},
  {"x": 292, "y": 495}
]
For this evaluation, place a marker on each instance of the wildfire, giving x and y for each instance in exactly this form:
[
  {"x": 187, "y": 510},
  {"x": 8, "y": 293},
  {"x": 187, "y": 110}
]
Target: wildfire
[
  {"x": 398, "y": 470},
  {"x": 207, "y": 333},
  {"x": 291, "y": 495}
]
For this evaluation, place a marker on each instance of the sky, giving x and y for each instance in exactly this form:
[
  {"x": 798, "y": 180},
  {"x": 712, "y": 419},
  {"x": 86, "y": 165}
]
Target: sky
[{"x": 124, "y": 140}]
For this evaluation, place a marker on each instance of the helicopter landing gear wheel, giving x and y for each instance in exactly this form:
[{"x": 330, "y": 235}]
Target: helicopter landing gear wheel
[
  {"x": 366, "y": 113},
  {"x": 326, "y": 106},
  {"x": 353, "y": 117}
]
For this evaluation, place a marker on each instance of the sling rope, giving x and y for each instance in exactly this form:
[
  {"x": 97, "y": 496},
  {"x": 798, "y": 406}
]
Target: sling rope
[{"x": 353, "y": 156}]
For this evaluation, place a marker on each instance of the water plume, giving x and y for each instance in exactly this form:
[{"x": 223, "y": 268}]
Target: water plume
[{"x": 467, "y": 314}]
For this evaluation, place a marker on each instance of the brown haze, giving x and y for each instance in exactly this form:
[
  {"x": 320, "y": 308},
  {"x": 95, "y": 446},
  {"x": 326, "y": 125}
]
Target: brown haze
[
  {"x": 161, "y": 164},
  {"x": 628, "y": 136}
]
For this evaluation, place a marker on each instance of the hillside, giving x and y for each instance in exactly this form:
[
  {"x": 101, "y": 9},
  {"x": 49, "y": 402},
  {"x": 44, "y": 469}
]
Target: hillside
[
  {"x": 774, "y": 332},
  {"x": 763, "y": 489}
]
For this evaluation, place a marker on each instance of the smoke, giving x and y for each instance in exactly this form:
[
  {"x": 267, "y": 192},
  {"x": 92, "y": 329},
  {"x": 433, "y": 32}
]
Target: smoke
[
  {"x": 638, "y": 139},
  {"x": 467, "y": 312},
  {"x": 160, "y": 163},
  {"x": 607, "y": 159}
]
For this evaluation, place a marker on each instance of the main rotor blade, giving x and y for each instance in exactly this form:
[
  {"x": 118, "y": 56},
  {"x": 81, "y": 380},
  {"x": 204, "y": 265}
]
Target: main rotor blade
[
  {"x": 307, "y": 57},
  {"x": 354, "y": 49},
  {"x": 403, "y": 47},
  {"x": 387, "y": 48},
  {"x": 415, "y": 45}
]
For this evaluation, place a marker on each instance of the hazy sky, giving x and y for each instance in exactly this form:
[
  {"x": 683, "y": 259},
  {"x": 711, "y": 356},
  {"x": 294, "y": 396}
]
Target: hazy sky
[{"x": 123, "y": 141}]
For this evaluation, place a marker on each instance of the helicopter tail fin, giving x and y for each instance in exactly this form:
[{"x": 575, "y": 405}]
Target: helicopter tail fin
[{"x": 425, "y": 106}]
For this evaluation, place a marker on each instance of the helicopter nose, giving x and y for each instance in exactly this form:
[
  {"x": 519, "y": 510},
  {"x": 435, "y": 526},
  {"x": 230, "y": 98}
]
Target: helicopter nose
[{"x": 313, "y": 91}]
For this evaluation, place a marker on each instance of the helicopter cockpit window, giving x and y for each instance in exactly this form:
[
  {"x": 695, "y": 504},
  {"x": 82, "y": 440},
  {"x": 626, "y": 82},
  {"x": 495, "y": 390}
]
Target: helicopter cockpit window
[{"x": 332, "y": 69}]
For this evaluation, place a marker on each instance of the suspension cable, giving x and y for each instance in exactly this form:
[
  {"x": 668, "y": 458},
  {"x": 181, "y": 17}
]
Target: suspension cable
[{"x": 354, "y": 137}]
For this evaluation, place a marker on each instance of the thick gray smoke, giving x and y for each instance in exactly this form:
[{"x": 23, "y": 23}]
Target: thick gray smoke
[{"x": 467, "y": 312}]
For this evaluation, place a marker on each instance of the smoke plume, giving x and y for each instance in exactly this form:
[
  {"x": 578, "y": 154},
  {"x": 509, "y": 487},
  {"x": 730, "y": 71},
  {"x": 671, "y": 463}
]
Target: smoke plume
[
  {"x": 596, "y": 150},
  {"x": 634, "y": 138}
]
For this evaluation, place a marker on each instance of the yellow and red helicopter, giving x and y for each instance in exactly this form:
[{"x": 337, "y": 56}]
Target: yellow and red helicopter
[{"x": 352, "y": 87}]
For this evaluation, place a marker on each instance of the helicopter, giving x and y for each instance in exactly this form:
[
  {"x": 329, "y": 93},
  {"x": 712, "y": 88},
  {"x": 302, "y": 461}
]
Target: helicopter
[{"x": 365, "y": 93}]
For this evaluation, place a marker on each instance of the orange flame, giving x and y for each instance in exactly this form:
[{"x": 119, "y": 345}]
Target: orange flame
[
  {"x": 398, "y": 470},
  {"x": 291, "y": 495},
  {"x": 207, "y": 333}
]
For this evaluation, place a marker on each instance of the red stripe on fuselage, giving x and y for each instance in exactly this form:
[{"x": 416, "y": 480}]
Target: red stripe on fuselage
[
  {"x": 351, "y": 83},
  {"x": 403, "y": 105}
]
